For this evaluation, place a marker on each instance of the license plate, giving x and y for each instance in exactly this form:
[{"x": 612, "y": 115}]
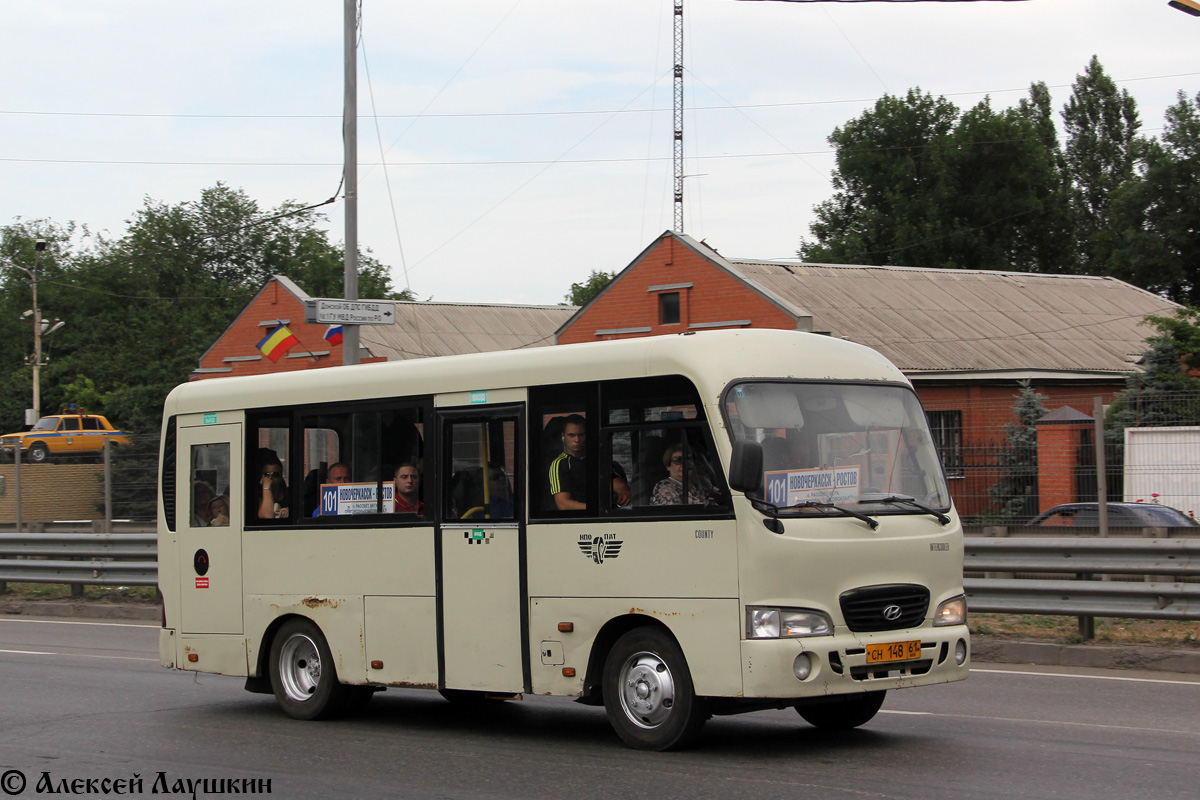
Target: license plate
[{"x": 893, "y": 651}]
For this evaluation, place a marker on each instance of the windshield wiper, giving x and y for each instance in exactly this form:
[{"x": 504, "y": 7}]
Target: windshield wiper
[
  {"x": 912, "y": 501},
  {"x": 844, "y": 511}
]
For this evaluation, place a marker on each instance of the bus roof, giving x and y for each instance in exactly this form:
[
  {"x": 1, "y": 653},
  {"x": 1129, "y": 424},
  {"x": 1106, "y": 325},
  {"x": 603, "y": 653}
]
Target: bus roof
[{"x": 710, "y": 358}]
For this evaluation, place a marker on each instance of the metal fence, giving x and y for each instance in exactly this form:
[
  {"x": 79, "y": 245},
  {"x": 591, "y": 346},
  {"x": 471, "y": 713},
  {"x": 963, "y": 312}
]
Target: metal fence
[{"x": 118, "y": 483}]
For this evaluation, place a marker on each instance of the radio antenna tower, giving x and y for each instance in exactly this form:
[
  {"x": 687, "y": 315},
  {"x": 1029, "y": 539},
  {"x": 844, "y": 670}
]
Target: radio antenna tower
[{"x": 679, "y": 116}]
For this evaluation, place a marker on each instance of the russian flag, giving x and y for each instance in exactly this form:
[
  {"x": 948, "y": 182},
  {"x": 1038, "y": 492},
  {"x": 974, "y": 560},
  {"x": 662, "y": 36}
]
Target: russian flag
[
  {"x": 334, "y": 334},
  {"x": 276, "y": 343}
]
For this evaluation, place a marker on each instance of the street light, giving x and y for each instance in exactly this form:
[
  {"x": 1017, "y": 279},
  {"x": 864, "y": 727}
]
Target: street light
[
  {"x": 1186, "y": 6},
  {"x": 34, "y": 413}
]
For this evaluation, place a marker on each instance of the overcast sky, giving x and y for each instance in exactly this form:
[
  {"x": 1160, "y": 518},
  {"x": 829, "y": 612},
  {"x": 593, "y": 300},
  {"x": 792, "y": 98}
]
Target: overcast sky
[{"x": 526, "y": 142}]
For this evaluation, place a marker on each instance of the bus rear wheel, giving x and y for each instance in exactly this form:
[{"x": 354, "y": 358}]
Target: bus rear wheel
[
  {"x": 303, "y": 677},
  {"x": 843, "y": 713},
  {"x": 648, "y": 692}
]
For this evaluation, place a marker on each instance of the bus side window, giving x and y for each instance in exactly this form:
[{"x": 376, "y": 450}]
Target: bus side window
[
  {"x": 209, "y": 480},
  {"x": 478, "y": 473},
  {"x": 269, "y": 496}
]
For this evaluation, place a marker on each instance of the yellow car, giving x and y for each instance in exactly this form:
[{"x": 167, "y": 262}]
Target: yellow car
[{"x": 63, "y": 434}]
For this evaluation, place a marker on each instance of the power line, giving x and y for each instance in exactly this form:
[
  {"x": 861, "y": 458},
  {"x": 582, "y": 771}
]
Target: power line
[{"x": 579, "y": 112}]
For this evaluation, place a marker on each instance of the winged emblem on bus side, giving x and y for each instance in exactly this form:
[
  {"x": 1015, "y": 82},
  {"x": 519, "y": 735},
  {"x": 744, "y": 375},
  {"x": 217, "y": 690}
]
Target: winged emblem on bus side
[{"x": 598, "y": 548}]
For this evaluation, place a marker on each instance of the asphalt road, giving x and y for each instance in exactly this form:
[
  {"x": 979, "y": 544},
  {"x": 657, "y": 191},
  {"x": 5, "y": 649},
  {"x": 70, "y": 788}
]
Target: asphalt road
[{"x": 86, "y": 701}]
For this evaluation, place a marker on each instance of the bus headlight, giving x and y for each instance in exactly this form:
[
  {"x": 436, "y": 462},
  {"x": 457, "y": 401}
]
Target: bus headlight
[
  {"x": 785, "y": 623},
  {"x": 951, "y": 612}
]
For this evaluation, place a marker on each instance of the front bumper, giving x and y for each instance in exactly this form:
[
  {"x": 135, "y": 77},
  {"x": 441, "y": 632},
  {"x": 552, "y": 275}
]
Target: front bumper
[{"x": 838, "y": 663}]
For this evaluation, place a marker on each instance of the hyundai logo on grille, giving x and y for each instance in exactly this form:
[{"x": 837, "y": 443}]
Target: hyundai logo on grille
[{"x": 892, "y": 613}]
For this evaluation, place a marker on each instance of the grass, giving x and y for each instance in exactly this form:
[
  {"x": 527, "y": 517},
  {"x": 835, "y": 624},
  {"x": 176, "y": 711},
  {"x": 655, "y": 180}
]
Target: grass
[
  {"x": 59, "y": 591},
  {"x": 1065, "y": 630}
]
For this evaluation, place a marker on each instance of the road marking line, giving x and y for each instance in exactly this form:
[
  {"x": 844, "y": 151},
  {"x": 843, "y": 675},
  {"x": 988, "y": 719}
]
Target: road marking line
[
  {"x": 79, "y": 655},
  {"x": 909, "y": 713},
  {"x": 1085, "y": 677},
  {"x": 69, "y": 622}
]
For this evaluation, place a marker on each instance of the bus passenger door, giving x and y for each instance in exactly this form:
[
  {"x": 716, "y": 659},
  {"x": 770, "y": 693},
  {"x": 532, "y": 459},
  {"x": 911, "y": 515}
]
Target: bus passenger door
[
  {"x": 481, "y": 543},
  {"x": 209, "y": 521}
]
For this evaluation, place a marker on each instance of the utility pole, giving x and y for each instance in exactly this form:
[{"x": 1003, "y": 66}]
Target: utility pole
[
  {"x": 350, "y": 141},
  {"x": 38, "y": 247},
  {"x": 678, "y": 116},
  {"x": 33, "y": 413}
]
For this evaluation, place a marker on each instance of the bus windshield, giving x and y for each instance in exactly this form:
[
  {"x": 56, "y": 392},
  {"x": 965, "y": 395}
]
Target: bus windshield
[{"x": 865, "y": 447}]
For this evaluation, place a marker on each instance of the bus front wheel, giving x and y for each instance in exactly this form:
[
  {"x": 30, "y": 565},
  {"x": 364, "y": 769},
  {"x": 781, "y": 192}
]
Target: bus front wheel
[
  {"x": 303, "y": 677},
  {"x": 648, "y": 692},
  {"x": 843, "y": 713}
]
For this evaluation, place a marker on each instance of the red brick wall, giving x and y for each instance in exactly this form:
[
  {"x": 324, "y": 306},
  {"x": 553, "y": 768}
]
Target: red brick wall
[
  {"x": 715, "y": 296},
  {"x": 241, "y": 339},
  {"x": 986, "y": 411},
  {"x": 1058, "y": 455}
]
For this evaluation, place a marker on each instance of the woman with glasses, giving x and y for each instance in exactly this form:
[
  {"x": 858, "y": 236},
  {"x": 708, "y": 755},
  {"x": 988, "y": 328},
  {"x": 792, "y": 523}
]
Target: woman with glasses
[
  {"x": 669, "y": 491},
  {"x": 273, "y": 494}
]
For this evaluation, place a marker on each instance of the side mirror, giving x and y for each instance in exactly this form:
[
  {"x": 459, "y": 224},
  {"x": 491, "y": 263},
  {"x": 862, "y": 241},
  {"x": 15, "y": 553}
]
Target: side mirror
[{"x": 746, "y": 466}]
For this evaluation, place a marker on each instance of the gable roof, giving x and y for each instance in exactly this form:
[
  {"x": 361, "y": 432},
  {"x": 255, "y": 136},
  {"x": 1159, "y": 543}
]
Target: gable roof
[
  {"x": 946, "y": 320},
  {"x": 443, "y": 329}
]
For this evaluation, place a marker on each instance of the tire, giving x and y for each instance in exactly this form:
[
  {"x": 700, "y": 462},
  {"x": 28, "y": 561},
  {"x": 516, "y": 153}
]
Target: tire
[
  {"x": 843, "y": 713},
  {"x": 38, "y": 453},
  {"x": 648, "y": 692},
  {"x": 303, "y": 676}
]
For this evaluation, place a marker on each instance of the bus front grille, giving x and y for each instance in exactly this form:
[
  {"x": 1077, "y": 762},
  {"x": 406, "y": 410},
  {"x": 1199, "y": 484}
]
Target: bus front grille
[{"x": 884, "y": 608}]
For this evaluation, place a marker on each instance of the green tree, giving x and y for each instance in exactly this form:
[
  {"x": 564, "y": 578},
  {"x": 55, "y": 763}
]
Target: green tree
[
  {"x": 1101, "y": 153},
  {"x": 920, "y": 183},
  {"x": 1016, "y": 493},
  {"x": 1159, "y": 215},
  {"x": 142, "y": 308},
  {"x": 582, "y": 293}
]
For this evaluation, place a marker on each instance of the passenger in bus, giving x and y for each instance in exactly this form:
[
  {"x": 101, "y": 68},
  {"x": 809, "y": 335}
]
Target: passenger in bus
[
  {"x": 669, "y": 491},
  {"x": 218, "y": 509},
  {"x": 406, "y": 497},
  {"x": 568, "y": 471},
  {"x": 202, "y": 495},
  {"x": 338, "y": 472},
  {"x": 273, "y": 489}
]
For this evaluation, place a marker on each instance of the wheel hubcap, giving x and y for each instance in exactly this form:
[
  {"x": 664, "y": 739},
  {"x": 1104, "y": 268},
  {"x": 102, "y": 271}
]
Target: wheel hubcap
[
  {"x": 300, "y": 668},
  {"x": 647, "y": 690}
]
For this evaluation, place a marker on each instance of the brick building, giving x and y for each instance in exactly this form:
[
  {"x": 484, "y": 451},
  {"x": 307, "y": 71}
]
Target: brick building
[
  {"x": 964, "y": 337},
  {"x": 420, "y": 330}
]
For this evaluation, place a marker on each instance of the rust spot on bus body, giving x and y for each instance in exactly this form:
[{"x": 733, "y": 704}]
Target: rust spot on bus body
[
  {"x": 319, "y": 602},
  {"x": 409, "y": 685},
  {"x": 654, "y": 613}
]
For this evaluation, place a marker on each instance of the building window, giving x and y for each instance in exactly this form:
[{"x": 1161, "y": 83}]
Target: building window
[
  {"x": 946, "y": 427},
  {"x": 668, "y": 308}
]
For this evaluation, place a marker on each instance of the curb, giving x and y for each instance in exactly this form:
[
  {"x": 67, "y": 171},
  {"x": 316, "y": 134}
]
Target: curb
[{"x": 1145, "y": 657}]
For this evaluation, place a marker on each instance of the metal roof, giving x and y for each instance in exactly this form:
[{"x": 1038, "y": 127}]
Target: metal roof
[
  {"x": 443, "y": 329},
  {"x": 967, "y": 320}
]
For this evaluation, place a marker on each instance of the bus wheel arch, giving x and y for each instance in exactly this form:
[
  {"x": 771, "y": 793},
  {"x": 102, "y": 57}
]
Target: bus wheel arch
[
  {"x": 302, "y": 671},
  {"x": 648, "y": 691}
]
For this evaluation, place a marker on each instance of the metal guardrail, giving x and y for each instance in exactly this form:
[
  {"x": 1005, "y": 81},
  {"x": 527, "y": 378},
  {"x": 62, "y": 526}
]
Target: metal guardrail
[
  {"x": 1086, "y": 596},
  {"x": 129, "y": 559},
  {"x": 80, "y": 558}
]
